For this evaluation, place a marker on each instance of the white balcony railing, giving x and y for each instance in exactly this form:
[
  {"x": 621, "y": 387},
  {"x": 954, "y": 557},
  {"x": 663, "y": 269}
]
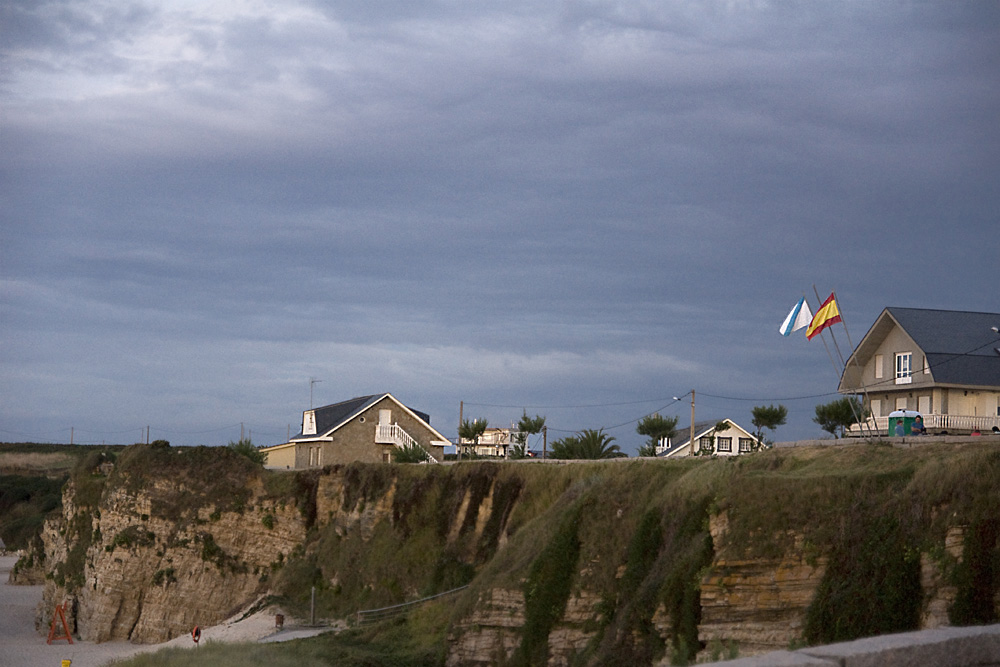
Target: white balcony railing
[
  {"x": 954, "y": 424},
  {"x": 393, "y": 434}
]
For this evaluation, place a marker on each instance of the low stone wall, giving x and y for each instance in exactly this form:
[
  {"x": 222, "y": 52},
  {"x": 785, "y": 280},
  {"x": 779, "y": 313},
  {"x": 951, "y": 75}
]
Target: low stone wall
[{"x": 942, "y": 647}]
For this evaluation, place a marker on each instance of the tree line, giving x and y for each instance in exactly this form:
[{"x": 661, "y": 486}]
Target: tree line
[{"x": 834, "y": 417}]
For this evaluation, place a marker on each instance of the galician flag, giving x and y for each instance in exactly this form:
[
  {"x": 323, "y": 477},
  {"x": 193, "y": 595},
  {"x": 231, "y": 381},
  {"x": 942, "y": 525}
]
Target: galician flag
[
  {"x": 800, "y": 317},
  {"x": 827, "y": 315}
]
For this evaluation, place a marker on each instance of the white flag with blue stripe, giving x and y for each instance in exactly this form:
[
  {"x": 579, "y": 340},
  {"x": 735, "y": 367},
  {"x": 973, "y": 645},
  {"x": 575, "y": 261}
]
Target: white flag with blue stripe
[{"x": 799, "y": 318}]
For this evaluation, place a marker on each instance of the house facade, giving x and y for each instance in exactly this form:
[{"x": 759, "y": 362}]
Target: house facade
[
  {"x": 944, "y": 364},
  {"x": 494, "y": 442},
  {"x": 367, "y": 428},
  {"x": 709, "y": 440}
]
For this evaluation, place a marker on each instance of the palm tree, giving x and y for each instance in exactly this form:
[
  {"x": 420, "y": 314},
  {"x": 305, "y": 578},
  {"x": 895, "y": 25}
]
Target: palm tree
[
  {"x": 470, "y": 432},
  {"x": 587, "y": 444}
]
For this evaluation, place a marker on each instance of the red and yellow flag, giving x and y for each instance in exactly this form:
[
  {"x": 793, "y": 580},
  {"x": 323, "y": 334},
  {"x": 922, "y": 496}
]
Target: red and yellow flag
[{"x": 827, "y": 315}]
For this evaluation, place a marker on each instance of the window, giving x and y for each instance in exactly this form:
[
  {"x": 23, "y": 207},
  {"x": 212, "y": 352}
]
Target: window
[
  {"x": 704, "y": 444},
  {"x": 878, "y": 366},
  {"x": 924, "y": 405},
  {"x": 746, "y": 445},
  {"x": 904, "y": 368},
  {"x": 725, "y": 444},
  {"x": 876, "y": 407}
]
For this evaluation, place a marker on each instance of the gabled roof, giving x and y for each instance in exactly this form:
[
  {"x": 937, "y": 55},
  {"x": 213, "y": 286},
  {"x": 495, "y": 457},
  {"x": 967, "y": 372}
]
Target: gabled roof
[
  {"x": 331, "y": 417},
  {"x": 959, "y": 345}
]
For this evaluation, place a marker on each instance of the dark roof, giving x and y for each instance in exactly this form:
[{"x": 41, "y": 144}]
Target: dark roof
[
  {"x": 331, "y": 416},
  {"x": 959, "y": 345}
]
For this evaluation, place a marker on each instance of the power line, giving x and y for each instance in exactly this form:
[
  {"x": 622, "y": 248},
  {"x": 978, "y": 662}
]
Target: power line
[{"x": 564, "y": 407}]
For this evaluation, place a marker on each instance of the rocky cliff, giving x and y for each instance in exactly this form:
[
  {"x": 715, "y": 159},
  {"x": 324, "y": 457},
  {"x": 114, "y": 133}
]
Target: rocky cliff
[{"x": 645, "y": 561}]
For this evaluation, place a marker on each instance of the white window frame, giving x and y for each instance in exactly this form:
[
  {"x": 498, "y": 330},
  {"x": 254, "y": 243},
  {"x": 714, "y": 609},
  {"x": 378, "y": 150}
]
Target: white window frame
[
  {"x": 746, "y": 445},
  {"x": 904, "y": 367},
  {"x": 723, "y": 444}
]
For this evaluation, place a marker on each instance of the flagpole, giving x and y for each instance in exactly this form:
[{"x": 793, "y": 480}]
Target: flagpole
[
  {"x": 861, "y": 371},
  {"x": 840, "y": 373},
  {"x": 832, "y": 337},
  {"x": 822, "y": 338}
]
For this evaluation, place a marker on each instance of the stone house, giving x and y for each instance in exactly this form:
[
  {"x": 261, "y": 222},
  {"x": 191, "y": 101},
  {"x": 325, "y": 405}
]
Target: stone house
[
  {"x": 944, "y": 364},
  {"x": 366, "y": 428},
  {"x": 733, "y": 441}
]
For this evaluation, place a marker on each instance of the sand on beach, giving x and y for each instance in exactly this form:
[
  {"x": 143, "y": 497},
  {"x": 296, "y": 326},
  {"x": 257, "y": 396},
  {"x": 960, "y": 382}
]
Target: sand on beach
[{"x": 22, "y": 646}]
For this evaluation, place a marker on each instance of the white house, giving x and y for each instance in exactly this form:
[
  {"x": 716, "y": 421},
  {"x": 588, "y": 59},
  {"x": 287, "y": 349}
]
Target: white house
[{"x": 731, "y": 441}]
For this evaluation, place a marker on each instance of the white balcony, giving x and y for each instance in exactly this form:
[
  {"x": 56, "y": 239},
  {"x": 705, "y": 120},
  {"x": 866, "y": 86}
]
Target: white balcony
[{"x": 393, "y": 434}]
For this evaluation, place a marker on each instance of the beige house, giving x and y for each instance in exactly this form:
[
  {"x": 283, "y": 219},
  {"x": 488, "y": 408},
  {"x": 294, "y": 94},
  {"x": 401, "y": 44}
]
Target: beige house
[
  {"x": 366, "y": 428},
  {"x": 944, "y": 364},
  {"x": 731, "y": 441}
]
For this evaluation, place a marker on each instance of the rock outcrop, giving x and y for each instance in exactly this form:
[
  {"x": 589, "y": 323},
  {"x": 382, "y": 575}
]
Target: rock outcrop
[{"x": 148, "y": 578}]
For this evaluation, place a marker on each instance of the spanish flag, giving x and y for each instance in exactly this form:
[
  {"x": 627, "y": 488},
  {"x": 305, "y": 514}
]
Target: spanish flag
[{"x": 827, "y": 315}]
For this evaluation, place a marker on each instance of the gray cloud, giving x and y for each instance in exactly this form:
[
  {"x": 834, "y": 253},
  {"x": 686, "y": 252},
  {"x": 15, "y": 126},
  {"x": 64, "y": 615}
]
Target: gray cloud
[{"x": 527, "y": 204}]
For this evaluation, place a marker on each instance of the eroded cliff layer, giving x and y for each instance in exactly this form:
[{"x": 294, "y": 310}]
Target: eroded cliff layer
[{"x": 645, "y": 561}]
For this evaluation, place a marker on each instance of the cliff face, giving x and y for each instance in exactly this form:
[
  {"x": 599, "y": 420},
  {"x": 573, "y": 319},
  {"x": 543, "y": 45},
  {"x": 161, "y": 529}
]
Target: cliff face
[
  {"x": 646, "y": 562},
  {"x": 158, "y": 560}
]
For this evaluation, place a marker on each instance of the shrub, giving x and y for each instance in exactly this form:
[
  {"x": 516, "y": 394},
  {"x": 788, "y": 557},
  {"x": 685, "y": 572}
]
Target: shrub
[
  {"x": 246, "y": 448},
  {"x": 411, "y": 454}
]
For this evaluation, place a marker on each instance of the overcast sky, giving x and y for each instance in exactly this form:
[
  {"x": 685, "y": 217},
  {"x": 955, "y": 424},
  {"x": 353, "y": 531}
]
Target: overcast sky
[{"x": 581, "y": 209}]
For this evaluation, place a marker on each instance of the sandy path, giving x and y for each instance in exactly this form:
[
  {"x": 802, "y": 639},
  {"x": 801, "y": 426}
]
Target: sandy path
[{"x": 21, "y": 646}]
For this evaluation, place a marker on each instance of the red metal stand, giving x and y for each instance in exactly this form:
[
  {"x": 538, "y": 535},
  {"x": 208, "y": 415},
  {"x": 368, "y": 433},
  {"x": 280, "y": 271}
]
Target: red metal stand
[{"x": 60, "y": 616}]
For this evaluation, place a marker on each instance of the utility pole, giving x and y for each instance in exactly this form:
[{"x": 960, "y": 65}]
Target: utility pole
[
  {"x": 458, "y": 440},
  {"x": 545, "y": 442},
  {"x": 691, "y": 449},
  {"x": 71, "y": 435},
  {"x": 147, "y": 435}
]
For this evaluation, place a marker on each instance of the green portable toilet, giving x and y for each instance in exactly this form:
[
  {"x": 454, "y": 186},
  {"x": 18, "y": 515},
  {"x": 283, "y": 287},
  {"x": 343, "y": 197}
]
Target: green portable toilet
[{"x": 906, "y": 418}]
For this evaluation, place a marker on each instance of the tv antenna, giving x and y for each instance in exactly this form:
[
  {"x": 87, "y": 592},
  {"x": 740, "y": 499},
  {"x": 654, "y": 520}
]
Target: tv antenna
[{"x": 312, "y": 381}]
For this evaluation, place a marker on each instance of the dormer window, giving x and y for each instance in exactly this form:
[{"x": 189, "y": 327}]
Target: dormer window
[{"x": 309, "y": 422}]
